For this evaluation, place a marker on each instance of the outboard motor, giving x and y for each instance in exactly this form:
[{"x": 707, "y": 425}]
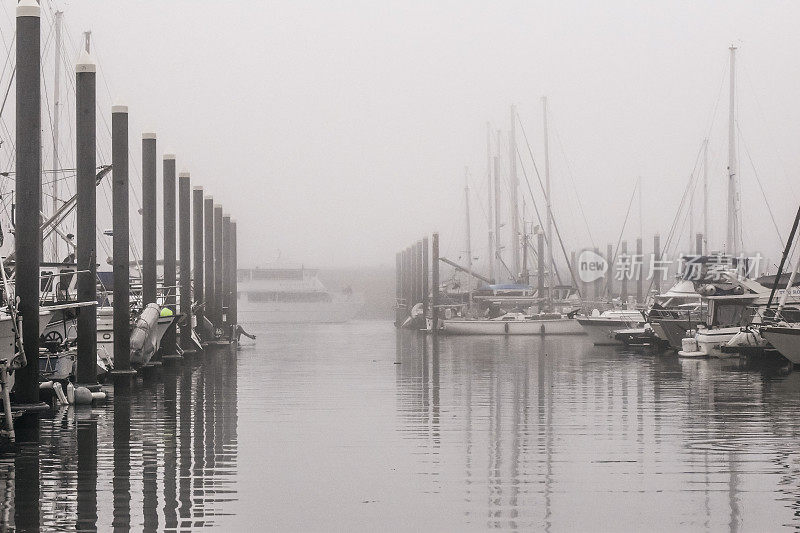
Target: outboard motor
[{"x": 142, "y": 347}]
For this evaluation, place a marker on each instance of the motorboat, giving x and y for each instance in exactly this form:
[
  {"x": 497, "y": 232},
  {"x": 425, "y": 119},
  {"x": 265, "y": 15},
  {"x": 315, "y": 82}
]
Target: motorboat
[{"x": 602, "y": 327}]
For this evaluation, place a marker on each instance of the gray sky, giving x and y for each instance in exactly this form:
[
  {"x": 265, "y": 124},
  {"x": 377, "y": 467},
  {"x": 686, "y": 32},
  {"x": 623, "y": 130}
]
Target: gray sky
[{"x": 338, "y": 132}]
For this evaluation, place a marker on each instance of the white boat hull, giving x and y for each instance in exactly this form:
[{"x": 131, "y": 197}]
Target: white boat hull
[
  {"x": 601, "y": 330},
  {"x": 786, "y": 340},
  {"x": 709, "y": 343},
  {"x": 556, "y": 326}
]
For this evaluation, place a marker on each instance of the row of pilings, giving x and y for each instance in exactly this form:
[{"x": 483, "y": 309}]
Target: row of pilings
[
  {"x": 417, "y": 284},
  {"x": 207, "y": 278},
  {"x": 418, "y": 291}
]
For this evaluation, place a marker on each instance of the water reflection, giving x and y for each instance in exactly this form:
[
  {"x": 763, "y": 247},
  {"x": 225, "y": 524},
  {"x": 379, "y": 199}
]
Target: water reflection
[
  {"x": 161, "y": 457},
  {"x": 556, "y": 433}
]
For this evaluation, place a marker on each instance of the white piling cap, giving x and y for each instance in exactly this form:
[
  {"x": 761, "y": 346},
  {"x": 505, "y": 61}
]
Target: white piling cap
[
  {"x": 119, "y": 108},
  {"x": 183, "y": 174},
  {"x": 207, "y": 197},
  {"x": 85, "y": 62},
  {"x": 197, "y": 188},
  {"x": 149, "y": 135},
  {"x": 169, "y": 156},
  {"x": 28, "y": 8},
  {"x": 217, "y": 206}
]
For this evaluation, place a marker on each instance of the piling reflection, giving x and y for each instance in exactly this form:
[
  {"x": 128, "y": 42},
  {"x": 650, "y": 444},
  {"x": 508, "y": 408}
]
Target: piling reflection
[
  {"x": 166, "y": 449},
  {"x": 553, "y": 433}
]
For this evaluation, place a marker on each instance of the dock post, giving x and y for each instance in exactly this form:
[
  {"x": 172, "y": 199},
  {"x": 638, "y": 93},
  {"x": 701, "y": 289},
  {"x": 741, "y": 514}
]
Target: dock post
[
  {"x": 28, "y": 190},
  {"x": 623, "y": 288},
  {"x": 406, "y": 281},
  {"x": 639, "y": 273},
  {"x": 86, "y": 217},
  {"x": 208, "y": 262},
  {"x": 698, "y": 244},
  {"x": 540, "y": 260},
  {"x": 121, "y": 242},
  {"x": 398, "y": 272},
  {"x": 185, "y": 260},
  {"x": 149, "y": 293},
  {"x": 226, "y": 272},
  {"x": 233, "y": 307},
  {"x": 426, "y": 276},
  {"x": 610, "y": 272},
  {"x": 218, "y": 273},
  {"x": 657, "y": 259},
  {"x": 435, "y": 282},
  {"x": 598, "y": 283},
  {"x": 198, "y": 278},
  {"x": 169, "y": 342},
  {"x": 415, "y": 277}
]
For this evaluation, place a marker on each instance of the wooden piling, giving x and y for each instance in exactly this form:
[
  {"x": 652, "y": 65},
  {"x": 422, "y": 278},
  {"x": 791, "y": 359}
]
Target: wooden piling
[
  {"x": 208, "y": 262},
  {"x": 639, "y": 272},
  {"x": 598, "y": 283},
  {"x": 435, "y": 282},
  {"x": 609, "y": 295},
  {"x": 698, "y": 244},
  {"x": 623, "y": 286},
  {"x": 233, "y": 307},
  {"x": 426, "y": 303},
  {"x": 121, "y": 243},
  {"x": 86, "y": 218},
  {"x": 198, "y": 270},
  {"x": 169, "y": 341},
  {"x": 657, "y": 260},
  {"x": 149, "y": 198},
  {"x": 185, "y": 259},
  {"x": 218, "y": 273},
  {"x": 226, "y": 271},
  {"x": 540, "y": 263},
  {"x": 28, "y": 168}
]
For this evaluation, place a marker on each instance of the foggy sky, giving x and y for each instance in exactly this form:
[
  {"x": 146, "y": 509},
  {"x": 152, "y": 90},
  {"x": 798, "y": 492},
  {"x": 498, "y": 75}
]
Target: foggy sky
[{"x": 337, "y": 132}]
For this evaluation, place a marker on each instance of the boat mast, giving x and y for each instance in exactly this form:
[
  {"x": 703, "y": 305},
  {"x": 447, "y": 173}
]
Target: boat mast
[
  {"x": 512, "y": 178},
  {"x": 489, "y": 197},
  {"x": 705, "y": 196},
  {"x": 497, "y": 247},
  {"x": 469, "y": 236},
  {"x": 734, "y": 226},
  {"x": 56, "y": 119},
  {"x": 549, "y": 221}
]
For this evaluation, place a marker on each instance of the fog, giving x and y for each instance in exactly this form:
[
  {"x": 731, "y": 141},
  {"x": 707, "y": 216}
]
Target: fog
[{"x": 338, "y": 132}]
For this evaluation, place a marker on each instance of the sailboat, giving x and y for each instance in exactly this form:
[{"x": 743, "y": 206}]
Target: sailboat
[{"x": 513, "y": 303}]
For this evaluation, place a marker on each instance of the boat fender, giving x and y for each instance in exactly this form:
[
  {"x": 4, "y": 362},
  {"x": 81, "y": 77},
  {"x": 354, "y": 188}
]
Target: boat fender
[
  {"x": 541, "y": 329},
  {"x": 46, "y": 385},
  {"x": 505, "y": 327},
  {"x": 448, "y": 313},
  {"x": 83, "y": 396},
  {"x": 59, "y": 390},
  {"x": 99, "y": 396},
  {"x": 70, "y": 393}
]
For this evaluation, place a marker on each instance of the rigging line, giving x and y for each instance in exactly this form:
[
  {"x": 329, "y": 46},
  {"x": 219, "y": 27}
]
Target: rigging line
[
  {"x": 619, "y": 240},
  {"x": 789, "y": 182},
  {"x": 572, "y": 181},
  {"x": 758, "y": 180},
  {"x": 552, "y": 215},
  {"x": 678, "y": 213},
  {"x": 539, "y": 218}
]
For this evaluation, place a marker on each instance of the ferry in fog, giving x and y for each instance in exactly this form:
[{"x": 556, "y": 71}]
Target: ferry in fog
[{"x": 286, "y": 294}]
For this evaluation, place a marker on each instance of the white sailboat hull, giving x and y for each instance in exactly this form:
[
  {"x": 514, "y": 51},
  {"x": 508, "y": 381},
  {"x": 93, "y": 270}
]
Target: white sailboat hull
[{"x": 556, "y": 326}]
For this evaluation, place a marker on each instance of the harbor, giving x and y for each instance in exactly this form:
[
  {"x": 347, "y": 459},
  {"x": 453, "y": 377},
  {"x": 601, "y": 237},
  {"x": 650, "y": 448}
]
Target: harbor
[{"x": 402, "y": 267}]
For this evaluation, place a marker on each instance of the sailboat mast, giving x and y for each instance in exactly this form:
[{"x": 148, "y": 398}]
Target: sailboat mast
[
  {"x": 56, "y": 121},
  {"x": 734, "y": 226},
  {"x": 549, "y": 221},
  {"x": 469, "y": 235},
  {"x": 512, "y": 178},
  {"x": 489, "y": 197},
  {"x": 497, "y": 247},
  {"x": 705, "y": 197}
]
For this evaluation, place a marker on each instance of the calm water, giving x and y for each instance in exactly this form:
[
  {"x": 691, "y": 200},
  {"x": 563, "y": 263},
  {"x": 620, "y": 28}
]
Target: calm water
[{"x": 355, "y": 427}]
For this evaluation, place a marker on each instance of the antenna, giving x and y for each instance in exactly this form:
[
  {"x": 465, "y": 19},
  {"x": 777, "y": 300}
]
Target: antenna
[{"x": 87, "y": 37}]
